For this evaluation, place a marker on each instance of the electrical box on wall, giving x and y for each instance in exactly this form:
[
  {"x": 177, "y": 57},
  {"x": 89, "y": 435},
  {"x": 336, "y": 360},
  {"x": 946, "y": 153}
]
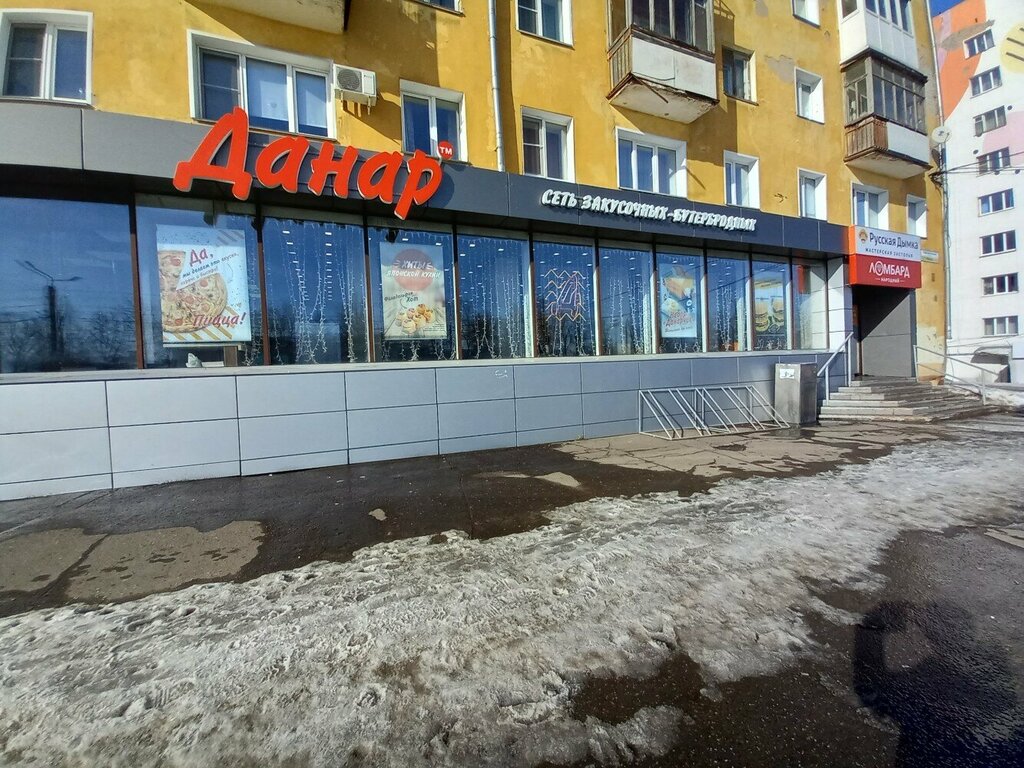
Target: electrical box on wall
[{"x": 354, "y": 84}]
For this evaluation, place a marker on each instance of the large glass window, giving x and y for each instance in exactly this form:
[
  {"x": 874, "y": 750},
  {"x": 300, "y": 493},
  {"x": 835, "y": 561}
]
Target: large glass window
[
  {"x": 199, "y": 273},
  {"x": 45, "y": 60},
  {"x": 565, "y": 299},
  {"x": 494, "y": 295},
  {"x": 680, "y": 302},
  {"x": 810, "y": 330},
  {"x": 413, "y": 289},
  {"x": 316, "y": 291},
  {"x": 771, "y": 312},
  {"x": 65, "y": 286},
  {"x": 627, "y": 312},
  {"x": 728, "y": 321},
  {"x": 875, "y": 88}
]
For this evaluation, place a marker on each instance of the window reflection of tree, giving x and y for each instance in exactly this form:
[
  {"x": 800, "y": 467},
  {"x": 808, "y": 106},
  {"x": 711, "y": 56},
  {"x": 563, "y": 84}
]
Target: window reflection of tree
[
  {"x": 727, "y": 304},
  {"x": 492, "y": 287},
  {"x": 626, "y": 312},
  {"x": 565, "y": 299}
]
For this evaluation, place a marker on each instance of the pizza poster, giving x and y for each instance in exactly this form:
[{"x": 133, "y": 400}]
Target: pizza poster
[
  {"x": 678, "y": 301},
  {"x": 412, "y": 283},
  {"x": 204, "y": 285}
]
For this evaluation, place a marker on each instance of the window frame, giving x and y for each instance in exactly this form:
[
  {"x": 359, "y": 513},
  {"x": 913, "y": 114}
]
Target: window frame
[
  {"x": 1008, "y": 239},
  {"x": 917, "y": 226},
  {"x": 678, "y": 181},
  {"x": 817, "y": 95},
  {"x": 53, "y": 21},
  {"x": 565, "y": 11},
  {"x": 986, "y": 37},
  {"x": 990, "y": 120},
  {"x": 456, "y": 5},
  {"x": 753, "y": 178},
  {"x": 905, "y": 82},
  {"x": 883, "y": 208},
  {"x": 995, "y": 77},
  {"x": 751, "y": 95},
  {"x": 432, "y": 93},
  {"x": 820, "y": 194},
  {"x": 809, "y": 4},
  {"x": 691, "y": 42},
  {"x": 905, "y": 22},
  {"x": 994, "y": 281},
  {"x": 562, "y": 121},
  {"x": 1001, "y": 321},
  {"x": 1006, "y": 196},
  {"x": 241, "y": 50}
]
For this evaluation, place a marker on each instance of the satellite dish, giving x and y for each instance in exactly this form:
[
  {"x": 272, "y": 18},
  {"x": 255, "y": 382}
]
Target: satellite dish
[{"x": 941, "y": 135}]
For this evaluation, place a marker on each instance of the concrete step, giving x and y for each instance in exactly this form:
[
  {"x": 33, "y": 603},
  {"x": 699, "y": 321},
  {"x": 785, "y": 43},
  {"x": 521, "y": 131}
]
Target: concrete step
[
  {"x": 923, "y": 402},
  {"x": 925, "y": 416},
  {"x": 893, "y": 390},
  {"x": 884, "y": 381}
]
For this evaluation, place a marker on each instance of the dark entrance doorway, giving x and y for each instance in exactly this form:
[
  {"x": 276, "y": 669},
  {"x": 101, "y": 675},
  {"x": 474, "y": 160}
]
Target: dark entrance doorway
[{"x": 884, "y": 330}]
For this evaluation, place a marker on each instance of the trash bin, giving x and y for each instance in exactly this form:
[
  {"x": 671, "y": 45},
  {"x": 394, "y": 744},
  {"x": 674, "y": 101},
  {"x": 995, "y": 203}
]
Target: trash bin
[{"x": 796, "y": 392}]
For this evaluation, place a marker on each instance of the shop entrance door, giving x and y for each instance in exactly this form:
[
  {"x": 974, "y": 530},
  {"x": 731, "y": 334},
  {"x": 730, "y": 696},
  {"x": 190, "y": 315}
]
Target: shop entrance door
[{"x": 884, "y": 330}]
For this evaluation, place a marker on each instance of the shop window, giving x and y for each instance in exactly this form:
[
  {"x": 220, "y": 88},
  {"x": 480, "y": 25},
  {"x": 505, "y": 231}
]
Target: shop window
[
  {"x": 771, "y": 305},
  {"x": 316, "y": 290},
  {"x": 810, "y": 103},
  {"x": 737, "y": 75},
  {"x": 687, "y": 22},
  {"x": 993, "y": 162},
  {"x": 1001, "y": 326},
  {"x": 547, "y": 18},
  {"x": 45, "y": 55},
  {"x": 810, "y": 315},
  {"x": 627, "y": 312},
  {"x": 199, "y": 275},
  {"x": 280, "y": 91},
  {"x": 989, "y": 121},
  {"x": 917, "y": 216},
  {"x": 431, "y": 116},
  {"x": 806, "y": 10},
  {"x": 991, "y": 286},
  {"x": 494, "y": 297},
  {"x": 651, "y": 164},
  {"x": 875, "y": 88},
  {"x": 680, "y": 302},
  {"x": 742, "y": 186},
  {"x": 66, "y": 296},
  {"x": 728, "y": 318},
  {"x": 564, "y": 277},
  {"x": 1000, "y": 242},
  {"x": 870, "y": 207},
  {"x": 812, "y": 195},
  {"x": 547, "y": 150},
  {"x": 986, "y": 81},
  {"x": 995, "y": 202},
  {"x": 413, "y": 288},
  {"x": 975, "y": 45}
]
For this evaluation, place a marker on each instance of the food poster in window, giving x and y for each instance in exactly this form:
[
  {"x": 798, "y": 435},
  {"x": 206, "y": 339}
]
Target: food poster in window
[
  {"x": 678, "y": 301},
  {"x": 204, "y": 288},
  {"x": 412, "y": 283},
  {"x": 770, "y": 310}
]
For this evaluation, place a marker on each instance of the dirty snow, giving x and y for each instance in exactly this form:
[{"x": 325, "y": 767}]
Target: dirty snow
[{"x": 469, "y": 652}]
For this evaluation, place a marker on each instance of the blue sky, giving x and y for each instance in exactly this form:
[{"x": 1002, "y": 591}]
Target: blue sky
[{"x": 940, "y": 6}]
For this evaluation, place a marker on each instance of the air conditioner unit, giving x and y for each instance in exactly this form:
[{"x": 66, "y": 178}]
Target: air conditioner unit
[{"x": 358, "y": 85}]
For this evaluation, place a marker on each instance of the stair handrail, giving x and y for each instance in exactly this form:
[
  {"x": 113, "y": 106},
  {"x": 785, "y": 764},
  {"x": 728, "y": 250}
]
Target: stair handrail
[
  {"x": 828, "y": 364},
  {"x": 970, "y": 385}
]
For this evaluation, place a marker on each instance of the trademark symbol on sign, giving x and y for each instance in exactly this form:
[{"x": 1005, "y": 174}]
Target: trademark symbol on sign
[{"x": 445, "y": 150}]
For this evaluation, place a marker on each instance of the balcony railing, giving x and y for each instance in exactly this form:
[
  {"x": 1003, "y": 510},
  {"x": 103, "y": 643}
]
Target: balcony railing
[
  {"x": 868, "y": 135},
  {"x": 885, "y": 147}
]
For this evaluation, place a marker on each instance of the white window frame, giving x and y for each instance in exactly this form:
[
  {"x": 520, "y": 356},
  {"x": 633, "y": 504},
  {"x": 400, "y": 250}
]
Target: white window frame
[
  {"x": 1001, "y": 322},
  {"x": 1003, "y": 153},
  {"x": 811, "y": 14},
  {"x": 1003, "y": 194},
  {"x": 202, "y": 41},
  {"x": 994, "y": 80},
  {"x": 820, "y": 193},
  {"x": 678, "y": 182},
  {"x": 456, "y": 6},
  {"x": 563, "y": 121},
  {"x": 1005, "y": 237},
  {"x": 985, "y": 36},
  {"x": 432, "y": 93},
  {"x": 78, "y": 21},
  {"x": 918, "y": 226},
  {"x": 753, "y": 178},
  {"x": 566, "y": 8},
  {"x": 905, "y": 22},
  {"x": 995, "y": 280},
  {"x": 990, "y": 120},
  {"x": 817, "y": 95},
  {"x": 883, "y": 205}
]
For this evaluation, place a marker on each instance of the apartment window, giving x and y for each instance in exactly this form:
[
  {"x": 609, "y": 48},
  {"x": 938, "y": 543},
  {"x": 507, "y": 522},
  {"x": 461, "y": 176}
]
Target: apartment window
[
  {"x": 995, "y": 202},
  {"x": 736, "y": 70},
  {"x": 989, "y": 121},
  {"x": 741, "y": 181},
  {"x": 870, "y": 207},
  {"x": 993, "y": 162},
  {"x": 1001, "y": 326},
  {"x": 280, "y": 91},
  {"x": 896, "y": 12},
  {"x": 812, "y": 195},
  {"x": 806, "y": 10},
  {"x": 431, "y": 116},
  {"x": 849, "y": 6},
  {"x": 651, "y": 164},
  {"x": 451, "y": 5},
  {"x": 547, "y": 18},
  {"x": 688, "y": 22},
  {"x": 809, "y": 100},
  {"x": 978, "y": 43},
  {"x": 991, "y": 286},
  {"x": 986, "y": 81},
  {"x": 45, "y": 55},
  {"x": 546, "y": 150},
  {"x": 917, "y": 216},
  {"x": 1000, "y": 242},
  {"x": 875, "y": 88}
]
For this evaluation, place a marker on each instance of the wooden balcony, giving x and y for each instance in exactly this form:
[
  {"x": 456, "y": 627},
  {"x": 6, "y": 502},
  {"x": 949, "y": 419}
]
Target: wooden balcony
[{"x": 877, "y": 145}]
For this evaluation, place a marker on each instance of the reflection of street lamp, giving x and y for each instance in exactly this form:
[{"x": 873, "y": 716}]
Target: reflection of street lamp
[{"x": 51, "y": 297}]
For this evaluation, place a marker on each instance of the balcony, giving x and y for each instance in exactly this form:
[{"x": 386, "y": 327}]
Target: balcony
[
  {"x": 878, "y": 145},
  {"x": 321, "y": 15},
  {"x": 659, "y": 77},
  {"x": 864, "y": 30}
]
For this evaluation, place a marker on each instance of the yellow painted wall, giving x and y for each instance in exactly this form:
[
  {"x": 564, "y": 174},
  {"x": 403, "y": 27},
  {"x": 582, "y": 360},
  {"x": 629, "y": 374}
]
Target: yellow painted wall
[{"x": 140, "y": 66}]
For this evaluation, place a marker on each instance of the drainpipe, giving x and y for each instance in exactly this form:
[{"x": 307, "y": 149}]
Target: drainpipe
[{"x": 499, "y": 143}]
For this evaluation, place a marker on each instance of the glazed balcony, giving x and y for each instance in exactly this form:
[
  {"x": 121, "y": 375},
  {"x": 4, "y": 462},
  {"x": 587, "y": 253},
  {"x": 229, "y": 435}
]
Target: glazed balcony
[
  {"x": 875, "y": 144},
  {"x": 877, "y": 25},
  {"x": 321, "y": 15}
]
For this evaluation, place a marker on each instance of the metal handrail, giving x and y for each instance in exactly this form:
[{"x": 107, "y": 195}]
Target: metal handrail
[
  {"x": 828, "y": 364},
  {"x": 982, "y": 387}
]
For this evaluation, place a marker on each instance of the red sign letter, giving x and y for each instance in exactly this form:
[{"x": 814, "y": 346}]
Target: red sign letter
[
  {"x": 325, "y": 165},
  {"x": 233, "y": 127},
  {"x": 293, "y": 149},
  {"x": 420, "y": 165},
  {"x": 385, "y": 165}
]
